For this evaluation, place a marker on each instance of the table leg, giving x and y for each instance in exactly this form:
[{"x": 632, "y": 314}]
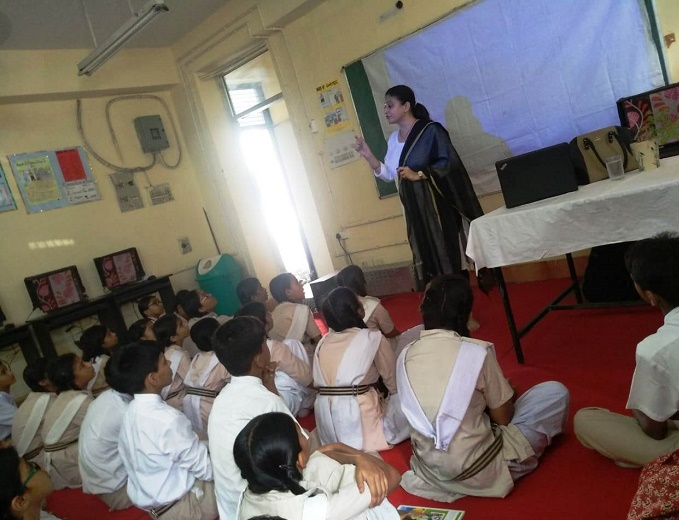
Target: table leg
[
  {"x": 112, "y": 317},
  {"x": 42, "y": 336},
  {"x": 574, "y": 277},
  {"x": 516, "y": 340},
  {"x": 166, "y": 293}
]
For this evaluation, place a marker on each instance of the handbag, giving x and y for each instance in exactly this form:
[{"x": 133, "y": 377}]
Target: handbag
[{"x": 590, "y": 150}]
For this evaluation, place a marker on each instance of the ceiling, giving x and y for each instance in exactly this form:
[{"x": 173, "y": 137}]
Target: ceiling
[{"x": 62, "y": 24}]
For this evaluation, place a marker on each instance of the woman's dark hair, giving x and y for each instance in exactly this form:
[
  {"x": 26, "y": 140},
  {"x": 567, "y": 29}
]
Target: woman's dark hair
[
  {"x": 34, "y": 373},
  {"x": 138, "y": 329},
  {"x": 256, "y": 309},
  {"x": 10, "y": 481},
  {"x": 447, "y": 304},
  {"x": 406, "y": 95},
  {"x": 237, "y": 342},
  {"x": 202, "y": 333},
  {"x": 653, "y": 264},
  {"x": 91, "y": 342},
  {"x": 352, "y": 277},
  {"x": 189, "y": 301},
  {"x": 279, "y": 284},
  {"x": 144, "y": 303},
  {"x": 247, "y": 288},
  {"x": 164, "y": 328},
  {"x": 129, "y": 365},
  {"x": 340, "y": 310},
  {"x": 60, "y": 372},
  {"x": 266, "y": 452},
  {"x": 266, "y": 517}
]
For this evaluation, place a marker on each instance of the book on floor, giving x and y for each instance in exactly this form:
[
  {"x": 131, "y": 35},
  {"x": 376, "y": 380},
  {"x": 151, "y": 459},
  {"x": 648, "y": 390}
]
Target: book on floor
[{"x": 428, "y": 513}]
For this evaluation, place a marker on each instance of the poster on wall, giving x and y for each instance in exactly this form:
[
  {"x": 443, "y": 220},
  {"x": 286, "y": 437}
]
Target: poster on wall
[
  {"x": 6, "y": 199},
  {"x": 340, "y": 149},
  {"x": 54, "y": 179},
  {"x": 127, "y": 191},
  {"x": 334, "y": 108}
]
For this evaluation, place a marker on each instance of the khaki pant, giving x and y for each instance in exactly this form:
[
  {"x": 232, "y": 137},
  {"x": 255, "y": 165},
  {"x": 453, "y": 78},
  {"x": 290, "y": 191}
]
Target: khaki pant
[
  {"x": 198, "y": 504},
  {"x": 116, "y": 500},
  {"x": 620, "y": 437}
]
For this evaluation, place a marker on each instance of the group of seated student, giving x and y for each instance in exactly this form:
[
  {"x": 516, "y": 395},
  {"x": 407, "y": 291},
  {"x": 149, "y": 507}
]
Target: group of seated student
[{"x": 471, "y": 433}]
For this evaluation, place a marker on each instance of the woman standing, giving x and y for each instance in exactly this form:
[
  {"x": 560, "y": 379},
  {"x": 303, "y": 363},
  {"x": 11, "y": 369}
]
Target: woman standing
[{"x": 435, "y": 190}]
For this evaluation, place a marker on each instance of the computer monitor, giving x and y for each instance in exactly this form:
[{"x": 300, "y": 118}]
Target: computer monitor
[
  {"x": 119, "y": 268},
  {"x": 56, "y": 289},
  {"x": 653, "y": 115}
]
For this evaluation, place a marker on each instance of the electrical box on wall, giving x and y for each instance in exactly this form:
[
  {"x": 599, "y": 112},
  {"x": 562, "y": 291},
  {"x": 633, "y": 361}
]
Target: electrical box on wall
[{"x": 151, "y": 134}]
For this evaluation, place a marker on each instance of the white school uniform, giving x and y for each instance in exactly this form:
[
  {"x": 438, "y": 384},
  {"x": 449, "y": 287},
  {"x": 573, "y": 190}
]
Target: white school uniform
[
  {"x": 27, "y": 426},
  {"x": 8, "y": 408},
  {"x": 243, "y": 399},
  {"x": 101, "y": 467},
  {"x": 161, "y": 453}
]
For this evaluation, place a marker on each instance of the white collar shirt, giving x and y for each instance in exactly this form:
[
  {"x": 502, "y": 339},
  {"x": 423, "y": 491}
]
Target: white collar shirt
[
  {"x": 655, "y": 387},
  {"x": 240, "y": 401},
  {"x": 101, "y": 467},
  {"x": 161, "y": 453},
  {"x": 8, "y": 408}
]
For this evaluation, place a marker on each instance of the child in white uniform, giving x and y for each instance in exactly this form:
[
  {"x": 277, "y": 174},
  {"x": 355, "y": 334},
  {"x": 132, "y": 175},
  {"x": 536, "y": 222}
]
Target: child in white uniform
[
  {"x": 8, "y": 407},
  {"x": 151, "y": 307},
  {"x": 284, "y": 479},
  {"x": 171, "y": 331}
]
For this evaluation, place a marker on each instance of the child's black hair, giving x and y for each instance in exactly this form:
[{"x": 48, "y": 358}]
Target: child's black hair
[
  {"x": 247, "y": 288},
  {"x": 202, "y": 333},
  {"x": 266, "y": 452},
  {"x": 340, "y": 310},
  {"x": 447, "y": 304},
  {"x": 34, "y": 373},
  {"x": 279, "y": 284},
  {"x": 256, "y": 309},
  {"x": 60, "y": 372},
  {"x": 237, "y": 342},
  {"x": 138, "y": 329},
  {"x": 10, "y": 481},
  {"x": 91, "y": 342},
  {"x": 165, "y": 328},
  {"x": 653, "y": 264},
  {"x": 130, "y": 365},
  {"x": 352, "y": 277},
  {"x": 144, "y": 303},
  {"x": 189, "y": 301}
]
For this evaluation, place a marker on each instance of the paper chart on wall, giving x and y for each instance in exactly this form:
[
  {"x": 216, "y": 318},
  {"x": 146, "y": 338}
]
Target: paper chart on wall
[
  {"x": 334, "y": 108},
  {"x": 6, "y": 199},
  {"x": 54, "y": 179},
  {"x": 340, "y": 149}
]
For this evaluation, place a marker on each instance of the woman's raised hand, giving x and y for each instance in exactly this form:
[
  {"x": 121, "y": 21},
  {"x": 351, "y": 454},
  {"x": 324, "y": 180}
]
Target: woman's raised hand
[{"x": 362, "y": 147}]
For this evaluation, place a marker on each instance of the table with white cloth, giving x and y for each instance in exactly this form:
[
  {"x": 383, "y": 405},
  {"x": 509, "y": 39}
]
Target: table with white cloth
[{"x": 605, "y": 212}]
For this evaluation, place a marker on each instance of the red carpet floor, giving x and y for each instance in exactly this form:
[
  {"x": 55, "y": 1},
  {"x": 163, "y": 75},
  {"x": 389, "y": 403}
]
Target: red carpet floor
[{"x": 591, "y": 352}]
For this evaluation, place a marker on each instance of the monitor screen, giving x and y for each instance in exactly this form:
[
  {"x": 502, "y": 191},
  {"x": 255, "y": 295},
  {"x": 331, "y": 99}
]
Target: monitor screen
[
  {"x": 119, "y": 268},
  {"x": 56, "y": 289},
  {"x": 653, "y": 115}
]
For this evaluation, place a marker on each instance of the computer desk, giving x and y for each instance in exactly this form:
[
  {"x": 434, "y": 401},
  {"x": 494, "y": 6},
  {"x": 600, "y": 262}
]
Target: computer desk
[{"x": 638, "y": 206}]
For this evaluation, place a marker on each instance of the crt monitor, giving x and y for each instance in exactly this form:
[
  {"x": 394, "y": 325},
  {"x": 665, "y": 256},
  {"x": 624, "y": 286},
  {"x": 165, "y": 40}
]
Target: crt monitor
[
  {"x": 653, "y": 115},
  {"x": 55, "y": 289},
  {"x": 119, "y": 268}
]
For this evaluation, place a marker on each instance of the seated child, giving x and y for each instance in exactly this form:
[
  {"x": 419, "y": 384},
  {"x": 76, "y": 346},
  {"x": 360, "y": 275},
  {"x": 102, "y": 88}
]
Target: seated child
[
  {"x": 151, "y": 307},
  {"x": 101, "y": 467},
  {"x": 445, "y": 375},
  {"x": 206, "y": 377},
  {"x": 293, "y": 369},
  {"x": 291, "y": 318},
  {"x": 8, "y": 407},
  {"x": 240, "y": 345},
  {"x": 376, "y": 316},
  {"x": 29, "y": 419},
  {"x": 169, "y": 469},
  {"x": 195, "y": 305},
  {"x": 251, "y": 290},
  {"x": 171, "y": 332},
  {"x": 285, "y": 479},
  {"x": 61, "y": 427},
  {"x": 23, "y": 487},
  {"x": 142, "y": 330},
  {"x": 96, "y": 343},
  {"x": 653, "y": 399},
  {"x": 349, "y": 361}
]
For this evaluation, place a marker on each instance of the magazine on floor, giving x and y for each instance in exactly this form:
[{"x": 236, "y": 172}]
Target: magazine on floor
[{"x": 428, "y": 513}]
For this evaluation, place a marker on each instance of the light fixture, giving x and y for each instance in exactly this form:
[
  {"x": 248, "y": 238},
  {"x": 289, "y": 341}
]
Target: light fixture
[{"x": 131, "y": 27}]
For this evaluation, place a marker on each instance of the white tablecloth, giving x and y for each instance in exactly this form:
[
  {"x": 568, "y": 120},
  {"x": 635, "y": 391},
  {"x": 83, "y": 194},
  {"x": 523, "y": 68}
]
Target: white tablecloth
[{"x": 605, "y": 212}]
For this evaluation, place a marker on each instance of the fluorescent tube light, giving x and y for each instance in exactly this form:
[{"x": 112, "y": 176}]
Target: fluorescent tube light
[{"x": 131, "y": 27}]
